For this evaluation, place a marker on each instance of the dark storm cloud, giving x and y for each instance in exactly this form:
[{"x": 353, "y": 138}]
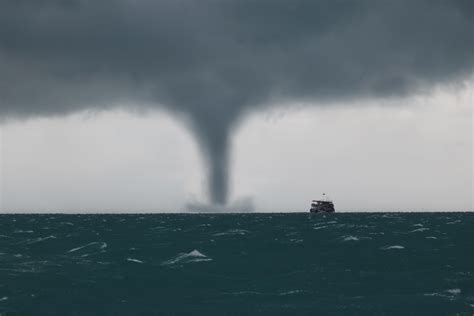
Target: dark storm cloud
[{"x": 213, "y": 61}]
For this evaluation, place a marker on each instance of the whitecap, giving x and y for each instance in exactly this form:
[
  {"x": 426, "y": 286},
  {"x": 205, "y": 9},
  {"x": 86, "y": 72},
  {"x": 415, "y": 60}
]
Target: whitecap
[
  {"x": 454, "y": 222},
  {"x": 103, "y": 262},
  {"x": 350, "y": 238},
  {"x": 436, "y": 294},
  {"x": 39, "y": 239},
  {"x": 296, "y": 241},
  {"x": 10, "y": 257},
  {"x": 239, "y": 293},
  {"x": 232, "y": 232},
  {"x": 20, "y": 231},
  {"x": 255, "y": 293},
  {"x": 454, "y": 291},
  {"x": 3, "y": 298},
  {"x": 392, "y": 247},
  {"x": 134, "y": 260},
  {"x": 448, "y": 294},
  {"x": 99, "y": 244},
  {"x": 20, "y": 270},
  {"x": 193, "y": 256},
  {"x": 158, "y": 228},
  {"x": 430, "y": 237},
  {"x": 419, "y": 230},
  {"x": 320, "y": 227},
  {"x": 292, "y": 292}
]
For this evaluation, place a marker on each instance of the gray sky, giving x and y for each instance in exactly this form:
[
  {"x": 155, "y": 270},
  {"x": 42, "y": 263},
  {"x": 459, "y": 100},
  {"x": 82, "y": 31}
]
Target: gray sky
[
  {"x": 155, "y": 104},
  {"x": 413, "y": 154}
]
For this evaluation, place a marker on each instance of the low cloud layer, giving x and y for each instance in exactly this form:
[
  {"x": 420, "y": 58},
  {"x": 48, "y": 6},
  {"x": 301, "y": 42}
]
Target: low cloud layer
[{"x": 212, "y": 62}]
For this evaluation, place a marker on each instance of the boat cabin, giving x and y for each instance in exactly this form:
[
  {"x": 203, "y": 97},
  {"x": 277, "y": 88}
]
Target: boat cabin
[{"x": 322, "y": 206}]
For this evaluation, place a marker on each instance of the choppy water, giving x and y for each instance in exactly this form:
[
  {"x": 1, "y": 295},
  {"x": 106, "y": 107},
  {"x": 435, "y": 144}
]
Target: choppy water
[{"x": 237, "y": 264}]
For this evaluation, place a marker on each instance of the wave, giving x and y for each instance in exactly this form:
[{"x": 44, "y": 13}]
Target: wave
[
  {"x": 20, "y": 231},
  {"x": 232, "y": 232},
  {"x": 37, "y": 240},
  {"x": 256, "y": 293},
  {"x": 454, "y": 222},
  {"x": 293, "y": 292},
  {"x": 240, "y": 293},
  {"x": 397, "y": 247},
  {"x": 134, "y": 260},
  {"x": 97, "y": 245},
  {"x": 296, "y": 241},
  {"x": 320, "y": 227},
  {"x": 419, "y": 230},
  {"x": 190, "y": 257},
  {"x": 350, "y": 238},
  {"x": 450, "y": 294},
  {"x": 454, "y": 291}
]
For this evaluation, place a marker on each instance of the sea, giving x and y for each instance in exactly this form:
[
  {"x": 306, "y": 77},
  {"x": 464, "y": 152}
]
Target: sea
[{"x": 237, "y": 264}]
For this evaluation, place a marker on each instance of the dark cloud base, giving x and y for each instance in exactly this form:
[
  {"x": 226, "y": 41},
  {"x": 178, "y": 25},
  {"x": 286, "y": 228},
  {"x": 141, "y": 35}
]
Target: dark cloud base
[{"x": 213, "y": 61}]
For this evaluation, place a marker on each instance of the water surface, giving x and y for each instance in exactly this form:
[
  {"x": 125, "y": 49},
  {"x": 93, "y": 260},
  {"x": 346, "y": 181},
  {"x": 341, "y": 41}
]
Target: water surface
[{"x": 237, "y": 264}]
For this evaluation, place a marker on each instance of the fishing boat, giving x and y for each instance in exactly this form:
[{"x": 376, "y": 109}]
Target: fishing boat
[{"x": 322, "y": 206}]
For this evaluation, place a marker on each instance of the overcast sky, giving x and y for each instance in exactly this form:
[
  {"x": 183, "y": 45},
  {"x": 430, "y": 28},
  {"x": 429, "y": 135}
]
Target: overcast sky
[
  {"x": 154, "y": 105},
  {"x": 408, "y": 155}
]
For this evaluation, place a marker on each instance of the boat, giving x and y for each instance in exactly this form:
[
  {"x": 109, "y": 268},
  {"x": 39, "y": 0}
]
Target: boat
[{"x": 322, "y": 206}]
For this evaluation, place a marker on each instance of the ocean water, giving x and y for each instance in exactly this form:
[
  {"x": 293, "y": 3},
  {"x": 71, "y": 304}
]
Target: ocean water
[{"x": 237, "y": 264}]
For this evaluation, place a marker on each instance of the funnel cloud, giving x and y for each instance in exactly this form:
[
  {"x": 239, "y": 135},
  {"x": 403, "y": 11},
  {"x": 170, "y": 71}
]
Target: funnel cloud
[{"x": 212, "y": 62}]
